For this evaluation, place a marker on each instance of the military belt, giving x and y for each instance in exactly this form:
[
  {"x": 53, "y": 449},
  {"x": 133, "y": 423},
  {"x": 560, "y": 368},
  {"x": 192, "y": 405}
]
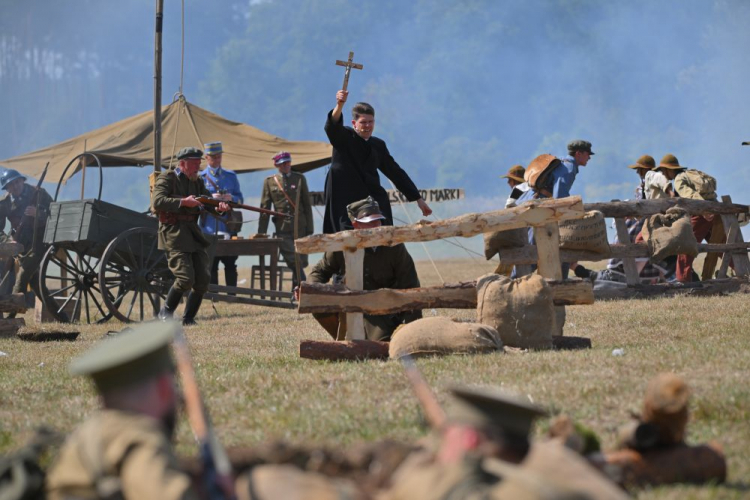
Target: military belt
[{"x": 173, "y": 218}]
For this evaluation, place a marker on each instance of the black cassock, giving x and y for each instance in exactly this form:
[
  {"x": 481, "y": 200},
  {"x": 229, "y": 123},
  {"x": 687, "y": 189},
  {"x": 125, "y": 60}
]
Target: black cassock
[{"x": 353, "y": 175}]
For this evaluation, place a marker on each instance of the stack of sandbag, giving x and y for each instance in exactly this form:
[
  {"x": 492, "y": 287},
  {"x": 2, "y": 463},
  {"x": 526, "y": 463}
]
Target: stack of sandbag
[
  {"x": 588, "y": 234},
  {"x": 669, "y": 234},
  {"x": 440, "y": 335},
  {"x": 520, "y": 310}
]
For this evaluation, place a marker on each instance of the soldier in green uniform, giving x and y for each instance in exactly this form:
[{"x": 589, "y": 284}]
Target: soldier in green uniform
[
  {"x": 173, "y": 200},
  {"x": 484, "y": 452},
  {"x": 384, "y": 267},
  {"x": 283, "y": 190},
  {"x": 26, "y": 208},
  {"x": 124, "y": 450}
]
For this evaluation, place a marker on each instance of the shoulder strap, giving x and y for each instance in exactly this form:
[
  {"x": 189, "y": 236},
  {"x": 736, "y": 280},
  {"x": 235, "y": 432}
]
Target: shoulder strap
[{"x": 276, "y": 180}]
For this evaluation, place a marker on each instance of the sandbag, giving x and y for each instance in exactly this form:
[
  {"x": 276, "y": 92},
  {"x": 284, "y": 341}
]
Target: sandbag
[
  {"x": 669, "y": 234},
  {"x": 520, "y": 310},
  {"x": 588, "y": 233},
  {"x": 441, "y": 335},
  {"x": 511, "y": 238}
]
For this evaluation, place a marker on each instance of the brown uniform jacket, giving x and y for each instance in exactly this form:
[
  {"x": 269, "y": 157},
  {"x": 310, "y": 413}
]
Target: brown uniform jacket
[
  {"x": 12, "y": 211},
  {"x": 272, "y": 195},
  {"x": 182, "y": 235},
  {"x": 118, "y": 451}
]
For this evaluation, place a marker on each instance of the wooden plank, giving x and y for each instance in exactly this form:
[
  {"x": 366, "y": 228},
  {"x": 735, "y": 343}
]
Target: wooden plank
[
  {"x": 645, "y": 208},
  {"x": 528, "y": 254},
  {"x": 536, "y": 213},
  {"x": 249, "y": 291},
  {"x": 548, "y": 251},
  {"x": 324, "y": 298},
  {"x": 354, "y": 263},
  {"x": 628, "y": 264},
  {"x": 350, "y": 350},
  {"x": 739, "y": 259},
  {"x": 698, "y": 289}
]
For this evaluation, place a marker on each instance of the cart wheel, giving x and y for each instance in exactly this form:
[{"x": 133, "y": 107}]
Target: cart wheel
[
  {"x": 69, "y": 285},
  {"x": 136, "y": 275}
]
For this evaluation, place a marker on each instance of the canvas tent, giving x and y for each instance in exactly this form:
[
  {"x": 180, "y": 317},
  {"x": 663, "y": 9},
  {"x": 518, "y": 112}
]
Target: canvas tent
[{"x": 130, "y": 142}]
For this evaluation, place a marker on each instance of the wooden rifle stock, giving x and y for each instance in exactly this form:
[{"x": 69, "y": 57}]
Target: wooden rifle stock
[
  {"x": 217, "y": 469},
  {"x": 434, "y": 413},
  {"x": 212, "y": 202}
]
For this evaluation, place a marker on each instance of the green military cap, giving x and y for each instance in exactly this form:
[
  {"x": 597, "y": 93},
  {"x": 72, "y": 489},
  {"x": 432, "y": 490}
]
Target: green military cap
[
  {"x": 580, "y": 145},
  {"x": 483, "y": 407},
  {"x": 189, "y": 153},
  {"x": 128, "y": 357},
  {"x": 366, "y": 210},
  {"x": 644, "y": 161},
  {"x": 516, "y": 173},
  {"x": 671, "y": 162}
]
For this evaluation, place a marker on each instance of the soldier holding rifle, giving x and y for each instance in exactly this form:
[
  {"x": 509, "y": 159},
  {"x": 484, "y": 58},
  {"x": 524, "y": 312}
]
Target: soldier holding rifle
[
  {"x": 26, "y": 208},
  {"x": 177, "y": 201}
]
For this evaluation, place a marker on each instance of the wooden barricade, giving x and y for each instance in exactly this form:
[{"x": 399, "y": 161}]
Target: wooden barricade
[
  {"x": 726, "y": 237},
  {"x": 543, "y": 216}
]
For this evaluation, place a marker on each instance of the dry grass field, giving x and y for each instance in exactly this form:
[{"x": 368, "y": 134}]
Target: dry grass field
[{"x": 258, "y": 388}]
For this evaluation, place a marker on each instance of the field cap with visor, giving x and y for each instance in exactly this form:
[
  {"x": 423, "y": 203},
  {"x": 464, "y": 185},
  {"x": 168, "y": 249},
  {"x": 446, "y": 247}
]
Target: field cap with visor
[
  {"x": 366, "y": 210},
  {"x": 281, "y": 157},
  {"x": 516, "y": 173},
  {"x": 190, "y": 153},
  {"x": 213, "y": 148},
  {"x": 580, "y": 145}
]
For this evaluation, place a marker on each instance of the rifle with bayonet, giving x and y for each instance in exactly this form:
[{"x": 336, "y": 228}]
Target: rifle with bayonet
[
  {"x": 217, "y": 471},
  {"x": 214, "y": 202},
  {"x": 433, "y": 412}
]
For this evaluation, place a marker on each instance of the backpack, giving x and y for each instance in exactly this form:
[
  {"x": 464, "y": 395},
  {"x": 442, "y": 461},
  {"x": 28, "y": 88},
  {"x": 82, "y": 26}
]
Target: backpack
[
  {"x": 537, "y": 174},
  {"x": 702, "y": 184}
]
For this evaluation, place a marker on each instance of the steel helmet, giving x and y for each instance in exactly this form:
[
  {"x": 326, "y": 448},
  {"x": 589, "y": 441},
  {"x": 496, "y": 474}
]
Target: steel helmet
[{"x": 9, "y": 176}]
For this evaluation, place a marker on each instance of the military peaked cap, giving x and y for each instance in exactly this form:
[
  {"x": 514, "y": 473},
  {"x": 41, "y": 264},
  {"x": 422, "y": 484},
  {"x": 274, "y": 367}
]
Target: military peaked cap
[
  {"x": 366, "y": 210},
  {"x": 482, "y": 407},
  {"x": 128, "y": 357},
  {"x": 213, "y": 148},
  {"x": 580, "y": 145},
  {"x": 189, "y": 153}
]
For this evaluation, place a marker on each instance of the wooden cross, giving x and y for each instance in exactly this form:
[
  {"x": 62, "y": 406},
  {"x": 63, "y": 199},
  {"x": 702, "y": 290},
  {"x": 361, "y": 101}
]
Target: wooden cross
[{"x": 348, "y": 65}]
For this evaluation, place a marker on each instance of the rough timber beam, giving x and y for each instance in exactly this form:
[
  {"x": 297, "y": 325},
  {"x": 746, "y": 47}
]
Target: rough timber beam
[
  {"x": 320, "y": 298},
  {"x": 538, "y": 213},
  {"x": 644, "y": 208}
]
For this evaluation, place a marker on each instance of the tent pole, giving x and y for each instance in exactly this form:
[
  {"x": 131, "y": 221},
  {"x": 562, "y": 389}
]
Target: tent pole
[{"x": 157, "y": 85}]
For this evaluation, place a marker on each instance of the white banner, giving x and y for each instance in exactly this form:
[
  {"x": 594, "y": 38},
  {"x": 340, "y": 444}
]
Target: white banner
[{"x": 436, "y": 195}]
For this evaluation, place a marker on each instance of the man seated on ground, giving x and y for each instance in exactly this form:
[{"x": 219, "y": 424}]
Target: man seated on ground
[{"x": 384, "y": 267}]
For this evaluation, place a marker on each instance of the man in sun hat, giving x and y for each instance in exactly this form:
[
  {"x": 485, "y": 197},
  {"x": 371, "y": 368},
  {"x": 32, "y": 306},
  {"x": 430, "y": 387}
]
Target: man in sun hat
[
  {"x": 696, "y": 185},
  {"x": 517, "y": 185},
  {"x": 124, "y": 449},
  {"x": 654, "y": 185},
  {"x": 384, "y": 267},
  {"x": 174, "y": 201},
  {"x": 223, "y": 185},
  {"x": 283, "y": 190}
]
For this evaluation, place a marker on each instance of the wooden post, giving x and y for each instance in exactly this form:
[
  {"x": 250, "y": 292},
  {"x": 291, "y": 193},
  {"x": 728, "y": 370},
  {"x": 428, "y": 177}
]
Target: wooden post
[
  {"x": 718, "y": 236},
  {"x": 157, "y": 84},
  {"x": 548, "y": 247},
  {"x": 631, "y": 270},
  {"x": 354, "y": 263},
  {"x": 740, "y": 259}
]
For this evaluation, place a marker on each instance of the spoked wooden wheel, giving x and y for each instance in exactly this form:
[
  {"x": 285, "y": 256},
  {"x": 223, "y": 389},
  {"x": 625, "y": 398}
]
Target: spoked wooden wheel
[
  {"x": 69, "y": 284},
  {"x": 135, "y": 274}
]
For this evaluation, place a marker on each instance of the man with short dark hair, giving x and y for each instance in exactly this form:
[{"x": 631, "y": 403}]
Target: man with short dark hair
[
  {"x": 384, "y": 267},
  {"x": 357, "y": 157},
  {"x": 19, "y": 207},
  {"x": 124, "y": 450},
  {"x": 174, "y": 201}
]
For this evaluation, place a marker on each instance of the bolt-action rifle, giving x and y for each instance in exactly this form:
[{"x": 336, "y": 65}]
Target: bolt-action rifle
[
  {"x": 217, "y": 471},
  {"x": 213, "y": 202},
  {"x": 433, "y": 412}
]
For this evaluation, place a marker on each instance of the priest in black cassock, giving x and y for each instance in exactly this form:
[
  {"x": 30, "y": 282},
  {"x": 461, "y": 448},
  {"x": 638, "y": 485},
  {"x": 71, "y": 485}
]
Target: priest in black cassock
[{"x": 357, "y": 157}]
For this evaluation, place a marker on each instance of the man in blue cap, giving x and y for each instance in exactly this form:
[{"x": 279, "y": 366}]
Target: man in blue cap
[
  {"x": 223, "y": 185},
  {"x": 26, "y": 208},
  {"x": 174, "y": 201}
]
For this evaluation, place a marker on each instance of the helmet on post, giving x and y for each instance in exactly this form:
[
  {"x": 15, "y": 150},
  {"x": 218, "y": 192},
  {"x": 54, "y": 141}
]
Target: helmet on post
[{"x": 9, "y": 176}]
